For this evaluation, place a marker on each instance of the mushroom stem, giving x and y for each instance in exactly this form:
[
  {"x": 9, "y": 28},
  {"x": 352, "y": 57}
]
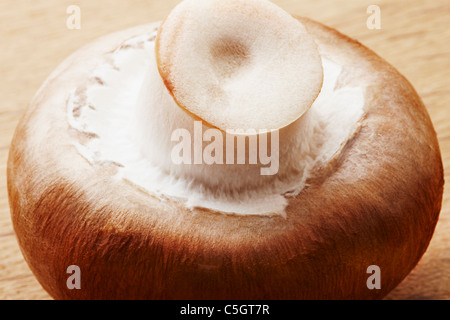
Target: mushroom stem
[
  {"x": 226, "y": 161},
  {"x": 229, "y": 75},
  {"x": 238, "y": 64}
]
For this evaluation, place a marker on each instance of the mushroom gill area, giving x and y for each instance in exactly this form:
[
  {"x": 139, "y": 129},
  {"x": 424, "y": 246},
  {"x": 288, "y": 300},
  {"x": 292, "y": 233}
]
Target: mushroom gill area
[{"x": 133, "y": 122}]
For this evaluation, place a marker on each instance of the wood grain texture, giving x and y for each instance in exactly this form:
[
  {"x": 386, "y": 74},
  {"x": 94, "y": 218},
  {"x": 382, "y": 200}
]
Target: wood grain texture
[{"x": 415, "y": 38}]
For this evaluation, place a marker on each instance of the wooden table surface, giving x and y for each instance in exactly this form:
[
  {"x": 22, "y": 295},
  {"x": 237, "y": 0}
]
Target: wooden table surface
[{"x": 414, "y": 37}]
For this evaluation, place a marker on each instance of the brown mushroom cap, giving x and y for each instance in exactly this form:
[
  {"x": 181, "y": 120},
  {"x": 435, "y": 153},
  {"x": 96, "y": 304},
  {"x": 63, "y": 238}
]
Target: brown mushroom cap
[{"x": 378, "y": 204}]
